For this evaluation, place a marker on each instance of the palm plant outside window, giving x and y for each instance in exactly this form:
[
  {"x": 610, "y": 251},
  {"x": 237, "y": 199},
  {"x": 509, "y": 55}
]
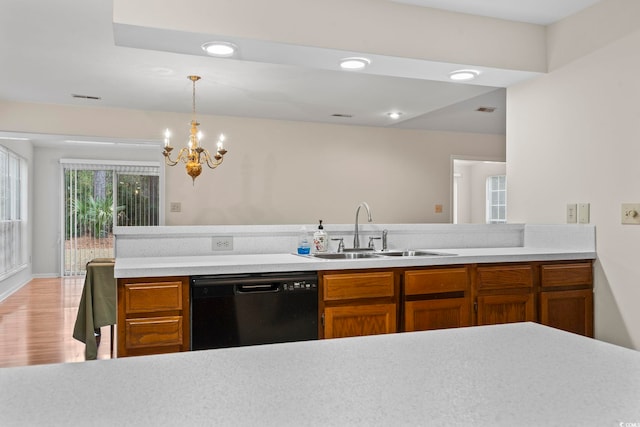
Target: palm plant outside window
[{"x": 99, "y": 195}]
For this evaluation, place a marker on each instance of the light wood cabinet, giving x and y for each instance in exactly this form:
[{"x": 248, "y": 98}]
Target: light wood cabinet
[
  {"x": 424, "y": 315},
  {"x": 436, "y": 298},
  {"x": 153, "y": 315},
  {"x": 566, "y": 297},
  {"x": 358, "y": 303},
  {"x": 504, "y": 294},
  {"x": 505, "y": 308},
  {"x": 359, "y": 320}
]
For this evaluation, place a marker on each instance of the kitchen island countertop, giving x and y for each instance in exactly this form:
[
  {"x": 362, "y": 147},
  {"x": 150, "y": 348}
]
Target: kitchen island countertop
[
  {"x": 520, "y": 374},
  {"x": 260, "y": 263}
]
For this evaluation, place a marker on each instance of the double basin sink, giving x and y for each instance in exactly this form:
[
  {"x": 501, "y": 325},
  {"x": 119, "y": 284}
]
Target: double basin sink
[{"x": 380, "y": 254}]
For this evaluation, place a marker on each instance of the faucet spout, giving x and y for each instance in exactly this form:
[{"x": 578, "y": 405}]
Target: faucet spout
[{"x": 356, "y": 237}]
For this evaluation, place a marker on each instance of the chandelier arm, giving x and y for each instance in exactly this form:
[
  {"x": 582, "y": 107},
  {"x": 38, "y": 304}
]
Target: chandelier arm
[
  {"x": 183, "y": 155},
  {"x": 168, "y": 161},
  {"x": 167, "y": 156},
  {"x": 212, "y": 163}
]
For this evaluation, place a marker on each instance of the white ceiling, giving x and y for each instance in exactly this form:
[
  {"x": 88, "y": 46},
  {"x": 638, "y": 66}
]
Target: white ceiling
[
  {"x": 541, "y": 12},
  {"x": 50, "y": 50}
]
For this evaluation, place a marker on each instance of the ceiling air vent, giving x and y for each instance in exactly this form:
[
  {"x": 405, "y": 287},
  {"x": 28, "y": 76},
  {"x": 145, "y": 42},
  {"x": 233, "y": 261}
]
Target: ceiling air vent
[
  {"x": 486, "y": 109},
  {"x": 345, "y": 116},
  {"x": 96, "y": 98}
]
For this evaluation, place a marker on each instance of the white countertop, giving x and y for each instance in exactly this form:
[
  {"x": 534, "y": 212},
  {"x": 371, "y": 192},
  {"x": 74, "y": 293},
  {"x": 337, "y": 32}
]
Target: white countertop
[
  {"x": 521, "y": 374},
  {"x": 259, "y": 263}
]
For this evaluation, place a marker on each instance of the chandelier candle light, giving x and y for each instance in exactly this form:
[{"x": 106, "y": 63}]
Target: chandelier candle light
[{"x": 193, "y": 154}]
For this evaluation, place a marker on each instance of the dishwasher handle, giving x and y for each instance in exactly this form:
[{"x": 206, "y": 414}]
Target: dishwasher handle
[{"x": 257, "y": 288}]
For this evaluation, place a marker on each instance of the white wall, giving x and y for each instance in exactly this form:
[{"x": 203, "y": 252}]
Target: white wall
[
  {"x": 572, "y": 136},
  {"x": 279, "y": 172},
  {"x": 276, "y": 172}
]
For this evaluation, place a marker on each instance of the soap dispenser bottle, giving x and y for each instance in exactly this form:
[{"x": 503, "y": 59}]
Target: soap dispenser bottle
[
  {"x": 304, "y": 246},
  {"x": 320, "y": 239}
]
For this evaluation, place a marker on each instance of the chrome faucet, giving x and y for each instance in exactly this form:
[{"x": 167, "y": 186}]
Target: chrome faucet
[{"x": 356, "y": 237}]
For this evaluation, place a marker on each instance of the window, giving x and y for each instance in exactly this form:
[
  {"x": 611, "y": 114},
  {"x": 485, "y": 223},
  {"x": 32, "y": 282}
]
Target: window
[
  {"x": 12, "y": 212},
  {"x": 496, "y": 199}
]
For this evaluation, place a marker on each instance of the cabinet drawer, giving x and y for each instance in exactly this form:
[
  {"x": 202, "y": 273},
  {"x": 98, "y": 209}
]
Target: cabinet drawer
[
  {"x": 435, "y": 281},
  {"x": 357, "y": 285},
  {"x": 153, "y": 332},
  {"x": 578, "y": 274},
  {"x": 505, "y": 277},
  {"x": 149, "y": 297}
]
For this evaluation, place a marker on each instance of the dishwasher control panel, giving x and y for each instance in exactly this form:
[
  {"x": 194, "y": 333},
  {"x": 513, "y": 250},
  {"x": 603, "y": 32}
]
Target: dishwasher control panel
[{"x": 300, "y": 285}]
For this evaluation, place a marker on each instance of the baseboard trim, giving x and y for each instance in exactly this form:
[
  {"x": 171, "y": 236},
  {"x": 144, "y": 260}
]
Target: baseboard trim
[{"x": 46, "y": 276}]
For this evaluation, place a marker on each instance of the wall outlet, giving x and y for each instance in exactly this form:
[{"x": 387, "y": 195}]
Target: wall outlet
[
  {"x": 222, "y": 243},
  {"x": 175, "y": 207},
  {"x": 572, "y": 213},
  {"x": 583, "y": 213},
  {"x": 630, "y": 213}
]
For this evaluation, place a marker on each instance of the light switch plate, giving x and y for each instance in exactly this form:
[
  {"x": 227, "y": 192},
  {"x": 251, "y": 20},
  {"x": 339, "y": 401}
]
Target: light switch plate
[
  {"x": 583, "y": 213},
  {"x": 175, "y": 207},
  {"x": 630, "y": 213},
  {"x": 572, "y": 213}
]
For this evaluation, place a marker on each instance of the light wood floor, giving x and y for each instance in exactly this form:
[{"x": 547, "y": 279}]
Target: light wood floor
[{"x": 36, "y": 324}]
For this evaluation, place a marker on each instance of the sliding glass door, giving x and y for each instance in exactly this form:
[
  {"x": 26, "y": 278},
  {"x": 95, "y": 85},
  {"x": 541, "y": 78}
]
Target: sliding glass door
[{"x": 99, "y": 195}]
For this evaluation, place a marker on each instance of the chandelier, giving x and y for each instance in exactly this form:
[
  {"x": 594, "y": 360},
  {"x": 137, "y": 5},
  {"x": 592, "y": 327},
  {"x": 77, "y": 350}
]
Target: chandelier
[{"x": 193, "y": 155}]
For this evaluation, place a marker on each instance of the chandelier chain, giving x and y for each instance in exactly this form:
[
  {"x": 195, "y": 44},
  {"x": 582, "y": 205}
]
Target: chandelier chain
[{"x": 193, "y": 99}]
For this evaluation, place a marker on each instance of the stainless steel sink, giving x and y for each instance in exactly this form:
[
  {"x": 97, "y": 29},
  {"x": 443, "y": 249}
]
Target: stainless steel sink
[
  {"x": 345, "y": 255},
  {"x": 381, "y": 254},
  {"x": 413, "y": 253}
]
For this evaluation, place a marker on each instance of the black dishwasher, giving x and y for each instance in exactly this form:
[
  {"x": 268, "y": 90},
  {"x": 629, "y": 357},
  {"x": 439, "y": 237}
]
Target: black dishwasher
[{"x": 248, "y": 309}]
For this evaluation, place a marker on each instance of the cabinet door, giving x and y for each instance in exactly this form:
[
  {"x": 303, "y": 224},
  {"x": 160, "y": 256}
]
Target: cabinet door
[
  {"x": 425, "y": 315},
  {"x": 568, "y": 310},
  {"x": 505, "y": 308},
  {"x": 358, "y": 320}
]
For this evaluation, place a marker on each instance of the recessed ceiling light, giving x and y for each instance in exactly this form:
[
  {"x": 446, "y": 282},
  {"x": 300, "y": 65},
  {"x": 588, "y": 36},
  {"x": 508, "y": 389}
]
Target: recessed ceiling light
[
  {"x": 395, "y": 115},
  {"x": 464, "y": 75},
  {"x": 354, "y": 63},
  {"x": 221, "y": 49}
]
